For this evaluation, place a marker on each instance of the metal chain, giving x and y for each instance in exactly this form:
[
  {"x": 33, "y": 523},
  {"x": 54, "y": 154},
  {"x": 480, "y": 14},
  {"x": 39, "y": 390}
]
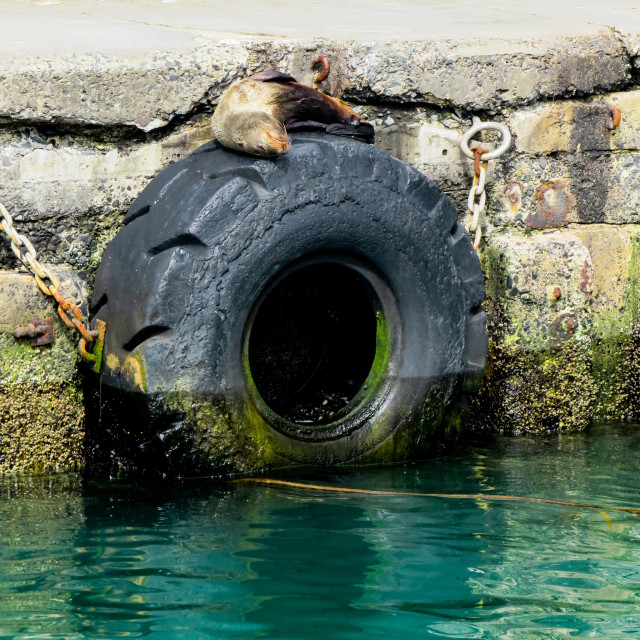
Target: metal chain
[
  {"x": 26, "y": 253},
  {"x": 477, "y": 191},
  {"x": 477, "y": 196}
]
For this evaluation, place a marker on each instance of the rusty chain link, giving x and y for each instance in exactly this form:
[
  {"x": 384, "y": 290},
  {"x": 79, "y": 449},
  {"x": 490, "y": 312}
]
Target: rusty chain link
[
  {"x": 477, "y": 195},
  {"x": 28, "y": 257}
]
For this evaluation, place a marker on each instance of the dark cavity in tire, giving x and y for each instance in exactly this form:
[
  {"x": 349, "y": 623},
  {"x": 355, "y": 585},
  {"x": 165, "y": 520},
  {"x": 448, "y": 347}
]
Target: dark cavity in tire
[{"x": 312, "y": 342}]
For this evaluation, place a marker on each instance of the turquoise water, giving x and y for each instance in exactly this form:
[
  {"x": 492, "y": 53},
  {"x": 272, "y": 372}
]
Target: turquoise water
[{"x": 196, "y": 559}]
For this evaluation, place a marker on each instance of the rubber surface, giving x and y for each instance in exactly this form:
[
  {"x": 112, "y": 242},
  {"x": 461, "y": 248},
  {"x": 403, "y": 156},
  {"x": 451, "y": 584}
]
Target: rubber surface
[{"x": 178, "y": 284}]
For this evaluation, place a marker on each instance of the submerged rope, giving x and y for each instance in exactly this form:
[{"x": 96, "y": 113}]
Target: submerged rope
[{"x": 458, "y": 496}]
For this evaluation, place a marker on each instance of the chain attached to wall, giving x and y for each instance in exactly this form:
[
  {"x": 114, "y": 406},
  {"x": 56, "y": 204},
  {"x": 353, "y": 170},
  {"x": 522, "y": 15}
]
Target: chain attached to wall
[
  {"x": 67, "y": 309},
  {"x": 480, "y": 156}
]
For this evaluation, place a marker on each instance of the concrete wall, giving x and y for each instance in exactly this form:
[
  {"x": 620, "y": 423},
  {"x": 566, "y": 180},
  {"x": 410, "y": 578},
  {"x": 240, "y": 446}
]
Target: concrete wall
[{"x": 80, "y": 136}]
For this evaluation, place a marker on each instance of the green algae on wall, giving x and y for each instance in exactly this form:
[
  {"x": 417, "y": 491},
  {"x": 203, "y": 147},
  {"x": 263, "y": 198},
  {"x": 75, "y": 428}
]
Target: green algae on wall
[
  {"x": 41, "y": 428},
  {"x": 614, "y": 318},
  {"x": 41, "y": 407},
  {"x": 629, "y": 388},
  {"x": 41, "y": 401},
  {"x": 535, "y": 388}
]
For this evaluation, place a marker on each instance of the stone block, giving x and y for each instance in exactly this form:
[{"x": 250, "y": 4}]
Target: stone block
[
  {"x": 148, "y": 90},
  {"x": 615, "y": 318},
  {"x": 140, "y": 91},
  {"x": 554, "y": 191},
  {"x": 427, "y": 143},
  {"x": 41, "y": 402},
  {"x": 573, "y": 126},
  {"x": 485, "y": 74},
  {"x": 548, "y": 289},
  {"x": 564, "y": 320},
  {"x": 538, "y": 377}
]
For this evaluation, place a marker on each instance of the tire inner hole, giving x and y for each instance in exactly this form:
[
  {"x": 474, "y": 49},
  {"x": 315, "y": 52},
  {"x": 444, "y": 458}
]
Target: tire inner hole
[{"x": 313, "y": 342}]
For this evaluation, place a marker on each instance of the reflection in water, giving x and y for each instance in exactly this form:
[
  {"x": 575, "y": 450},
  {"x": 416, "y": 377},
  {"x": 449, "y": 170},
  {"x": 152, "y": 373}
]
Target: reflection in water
[
  {"x": 163, "y": 566},
  {"x": 317, "y": 557},
  {"x": 82, "y": 559},
  {"x": 39, "y": 518}
]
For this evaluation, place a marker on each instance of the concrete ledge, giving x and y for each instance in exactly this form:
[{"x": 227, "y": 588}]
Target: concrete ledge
[
  {"x": 145, "y": 93},
  {"x": 150, "y": 91}
]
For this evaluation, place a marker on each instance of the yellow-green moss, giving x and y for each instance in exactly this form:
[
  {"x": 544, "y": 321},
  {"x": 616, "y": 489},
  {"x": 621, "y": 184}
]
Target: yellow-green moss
[
  {"x": 220, "y": 439},
  {"x": 536, "y": 392},
  {"x": 41, "y": 428},
  {"x": 616, "y": 351}
]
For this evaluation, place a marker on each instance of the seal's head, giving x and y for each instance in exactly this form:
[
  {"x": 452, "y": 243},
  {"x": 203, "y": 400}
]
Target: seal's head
[{"x": 256, "y": 133}]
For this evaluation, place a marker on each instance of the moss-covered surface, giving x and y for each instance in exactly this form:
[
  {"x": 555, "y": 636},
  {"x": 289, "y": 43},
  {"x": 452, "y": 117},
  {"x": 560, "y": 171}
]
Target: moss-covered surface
[
  {"x": 41, "y": 428},
  {"x": 616, "y": 349},
  {"x": 536, "y": 392},
  {"x": 41, "y": 403},
  {"x": 628, "y": 405},
  {"x": 550, "y": 388},
  {"x": 21, "y": 363},
  {"x": 578, "y": 365},
  {"x": 221, "y": 440}
]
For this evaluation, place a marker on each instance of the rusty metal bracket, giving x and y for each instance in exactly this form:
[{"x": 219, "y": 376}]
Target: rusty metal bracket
[
  {"x": 40, "y": 330},
  {"x": 95, "y": 356}
]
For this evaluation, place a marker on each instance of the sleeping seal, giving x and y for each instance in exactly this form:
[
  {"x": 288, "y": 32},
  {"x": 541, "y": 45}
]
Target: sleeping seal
[{"x": 255, "y": 114}]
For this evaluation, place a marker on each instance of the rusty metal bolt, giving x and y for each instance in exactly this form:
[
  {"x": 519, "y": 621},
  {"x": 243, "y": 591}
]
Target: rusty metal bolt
[
  {"x": 554, "y": 293},
  {"x": 326, "y": 67},
  {"x": 571, "y": 324},
  {"x": 40, "y": 330},
  {"x": 616, "y": 116},
  {"x": 513, "y": 191}
]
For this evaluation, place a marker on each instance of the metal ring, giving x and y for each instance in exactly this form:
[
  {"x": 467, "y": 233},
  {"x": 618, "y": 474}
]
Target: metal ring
[
  {"x": 482, "y": 126},
  {"x": 82, "y": 350}
]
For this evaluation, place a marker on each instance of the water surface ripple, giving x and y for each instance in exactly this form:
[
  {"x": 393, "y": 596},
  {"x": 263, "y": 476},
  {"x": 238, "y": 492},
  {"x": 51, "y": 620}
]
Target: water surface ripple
[{"x": 83, "y": 558}]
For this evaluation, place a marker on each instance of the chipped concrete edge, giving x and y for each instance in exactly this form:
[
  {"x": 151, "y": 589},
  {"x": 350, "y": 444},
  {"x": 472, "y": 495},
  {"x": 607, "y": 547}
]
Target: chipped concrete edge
[{"x": 147, "y": 92}]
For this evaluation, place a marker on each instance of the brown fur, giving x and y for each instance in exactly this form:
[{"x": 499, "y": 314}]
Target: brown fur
[{"x": 254, "y": 114}]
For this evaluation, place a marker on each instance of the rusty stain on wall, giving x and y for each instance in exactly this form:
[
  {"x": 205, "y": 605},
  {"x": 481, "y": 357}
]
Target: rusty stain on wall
[
  {"x": 586, "y": 282},
  {"x": 554, "y": 202}
]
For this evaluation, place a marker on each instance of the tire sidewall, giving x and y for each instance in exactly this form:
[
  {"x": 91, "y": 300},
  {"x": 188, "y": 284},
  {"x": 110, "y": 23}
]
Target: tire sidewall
[{"x": 426, "y": 322}]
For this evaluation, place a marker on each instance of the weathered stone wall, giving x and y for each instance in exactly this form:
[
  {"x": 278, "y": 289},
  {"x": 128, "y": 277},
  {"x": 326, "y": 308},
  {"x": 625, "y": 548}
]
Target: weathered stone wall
[{"x": 81, "y": 136}]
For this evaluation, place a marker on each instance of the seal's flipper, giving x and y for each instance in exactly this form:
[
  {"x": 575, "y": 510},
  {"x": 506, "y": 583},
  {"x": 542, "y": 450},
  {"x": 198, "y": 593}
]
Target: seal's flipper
[
  {"x": 306, "y": 125},
  {"x": 297, "y": 103},
  {"x": 362, "y": 131},
  {"x": 273, "y": 76}
]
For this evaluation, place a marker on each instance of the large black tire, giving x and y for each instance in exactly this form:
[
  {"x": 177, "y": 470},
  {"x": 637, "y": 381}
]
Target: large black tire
[{"x": 195, "y": 278}]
